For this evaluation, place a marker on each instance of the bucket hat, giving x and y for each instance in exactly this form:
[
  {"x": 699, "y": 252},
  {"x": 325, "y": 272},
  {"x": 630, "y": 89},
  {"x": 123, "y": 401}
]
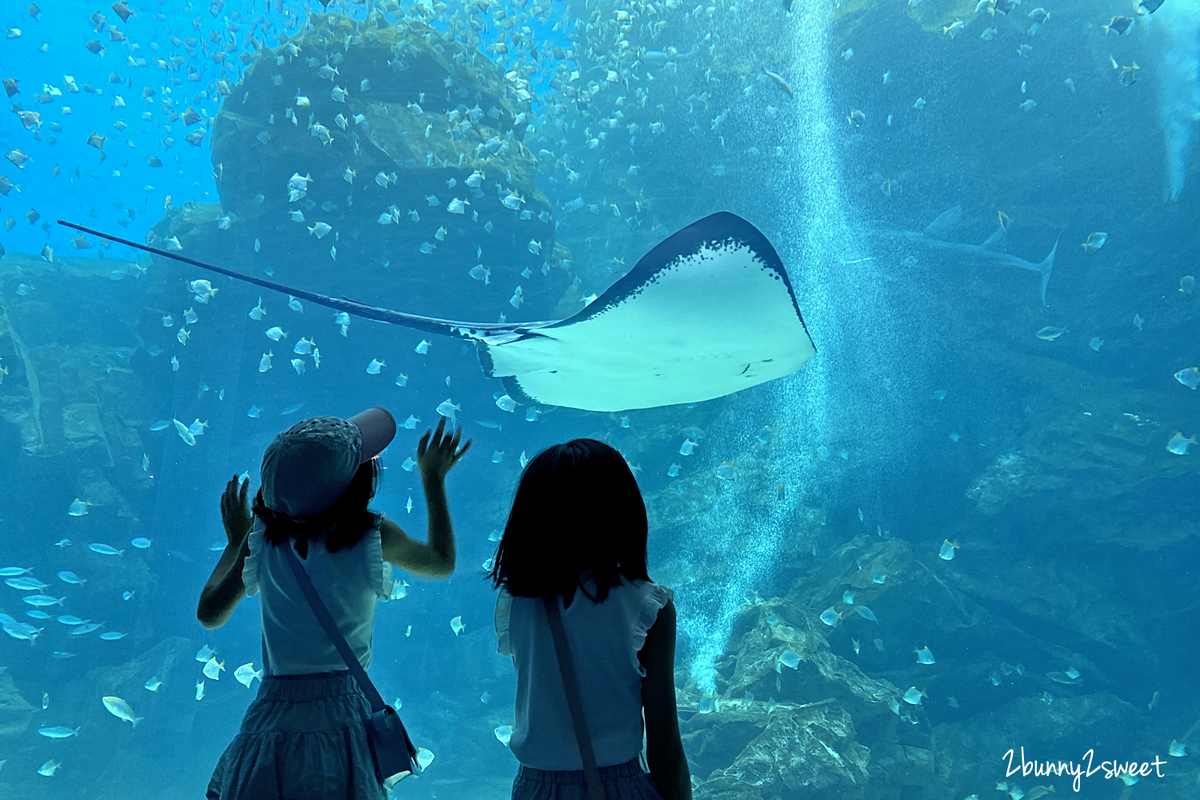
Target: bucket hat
[{"x": 308, "y": 467}]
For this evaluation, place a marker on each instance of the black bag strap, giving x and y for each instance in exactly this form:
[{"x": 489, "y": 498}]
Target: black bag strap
[
  {"x": 591, "y": 775},
  {"x": 326, "y": 620}
]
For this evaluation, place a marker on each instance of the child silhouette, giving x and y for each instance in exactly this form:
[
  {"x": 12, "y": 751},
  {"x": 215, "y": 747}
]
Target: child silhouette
[{"x": 577, "y": 533}]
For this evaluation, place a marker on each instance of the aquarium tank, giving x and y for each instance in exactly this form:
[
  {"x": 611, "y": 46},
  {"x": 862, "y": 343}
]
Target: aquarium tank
[{"x": 890, "y": 307}]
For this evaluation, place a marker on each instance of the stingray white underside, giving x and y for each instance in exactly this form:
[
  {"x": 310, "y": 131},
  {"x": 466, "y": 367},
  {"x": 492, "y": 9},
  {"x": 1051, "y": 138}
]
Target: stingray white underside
[{"x": 705, "y": 324}]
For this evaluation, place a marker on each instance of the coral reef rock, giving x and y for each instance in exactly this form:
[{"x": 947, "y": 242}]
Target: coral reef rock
[{"x": 366, "y": 161}]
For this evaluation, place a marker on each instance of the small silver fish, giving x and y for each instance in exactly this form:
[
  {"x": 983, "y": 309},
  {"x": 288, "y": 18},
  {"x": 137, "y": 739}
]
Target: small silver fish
[
  {"x": 321, "y": 133},
  {"x": 213, "y": 668},
  {"x": 121, "y": 710},
  {"x": 246, "y": 673},
  {"x": 1189, "y": 377},
  {"x": 1178, "y": 445},
  {"x": 779, "y": 81}
]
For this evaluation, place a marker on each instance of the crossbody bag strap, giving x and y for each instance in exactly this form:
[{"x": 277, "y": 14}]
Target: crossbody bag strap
[
  {"x": 326, "y": 620},
  {"x": 587, "y": 754}
]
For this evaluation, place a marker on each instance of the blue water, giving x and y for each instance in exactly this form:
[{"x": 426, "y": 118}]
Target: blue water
[{"x": 946, "y": 403}]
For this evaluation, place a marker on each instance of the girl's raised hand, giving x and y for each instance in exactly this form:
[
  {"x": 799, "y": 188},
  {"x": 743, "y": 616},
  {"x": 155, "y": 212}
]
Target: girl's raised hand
[
  {"x": 235, "y": 511},
  {"x": 436, "y": 456}
]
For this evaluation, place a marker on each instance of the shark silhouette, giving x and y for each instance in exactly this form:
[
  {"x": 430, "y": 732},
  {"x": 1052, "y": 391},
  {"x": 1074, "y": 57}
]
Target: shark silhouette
[{"x": 988, "y": 254}]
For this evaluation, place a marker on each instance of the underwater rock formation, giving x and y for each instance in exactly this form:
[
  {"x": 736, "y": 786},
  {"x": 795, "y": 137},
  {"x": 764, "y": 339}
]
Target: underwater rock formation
[
  {"x": 1110, "y": 448},
  {"x": 807, "y": 748},
  {"x": 107, "y": 757},
  {"x": 377, "y": 181},
  {"x": 20, "y": 405},
  {"x": 15, "y": 713},
  {"x": 816, "y": 703},
  {"x": 69, "y": 398}
]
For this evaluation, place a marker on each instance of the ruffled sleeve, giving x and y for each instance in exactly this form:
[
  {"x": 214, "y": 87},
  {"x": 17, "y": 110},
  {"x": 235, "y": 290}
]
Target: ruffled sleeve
[
  {"x": 654, "y": 597},
  {"x": 250, "y": 568},
  {"x": 503, "y": 611},
  {"x": 380, "y": 570}
]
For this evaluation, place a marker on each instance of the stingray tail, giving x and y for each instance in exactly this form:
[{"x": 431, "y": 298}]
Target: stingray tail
[
  {"x": 445, "y": 327},
  {"x": 1047, "y": 268}
]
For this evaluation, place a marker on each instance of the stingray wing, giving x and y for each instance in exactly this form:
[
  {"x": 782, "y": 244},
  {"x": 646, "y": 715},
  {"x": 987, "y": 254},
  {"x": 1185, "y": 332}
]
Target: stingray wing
[{"x": 706, "y": 313}]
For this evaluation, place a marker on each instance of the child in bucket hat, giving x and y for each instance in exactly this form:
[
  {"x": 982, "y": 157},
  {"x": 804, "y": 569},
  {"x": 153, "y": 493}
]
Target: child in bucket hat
[{"x": 303, "y": 736}]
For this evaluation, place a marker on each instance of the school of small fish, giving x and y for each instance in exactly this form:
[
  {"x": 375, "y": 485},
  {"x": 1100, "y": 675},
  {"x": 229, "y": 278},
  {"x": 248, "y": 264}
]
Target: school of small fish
[{"x": 185, "y": 75}]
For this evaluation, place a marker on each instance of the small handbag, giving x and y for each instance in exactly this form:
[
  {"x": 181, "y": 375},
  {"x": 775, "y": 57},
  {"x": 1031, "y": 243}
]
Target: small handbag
[
  {"x": 587, "y": 754},
  {"x": 393, "y": 752}
]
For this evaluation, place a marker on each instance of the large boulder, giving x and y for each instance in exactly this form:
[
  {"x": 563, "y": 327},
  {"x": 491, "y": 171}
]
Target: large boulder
[
  {"x": 377, "y": 122},
  {"x": 71, "y": 407},
  {"x": 1107, "y": 447},
  {"x": 1035, "y": 654},
  {"x": 15, "y": 712}
]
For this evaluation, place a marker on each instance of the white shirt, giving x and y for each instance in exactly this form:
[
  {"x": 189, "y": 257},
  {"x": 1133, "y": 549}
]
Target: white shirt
[
  {"x": 349, "y": 583},
  {"x": 604, "y": 639}
]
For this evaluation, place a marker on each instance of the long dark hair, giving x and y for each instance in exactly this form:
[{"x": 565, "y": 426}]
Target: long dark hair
[
  {"x": 341, "y": 525},
  {"x": 577, "y": 507}
]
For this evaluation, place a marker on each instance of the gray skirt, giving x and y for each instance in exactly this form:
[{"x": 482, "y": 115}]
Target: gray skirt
[
  {"x": 304, "y": 736},
  {"x": 626, "y": 781}
]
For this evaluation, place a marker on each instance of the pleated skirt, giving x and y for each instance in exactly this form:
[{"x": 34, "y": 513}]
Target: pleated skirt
[
  {"x": 304, "y": 737},
  {"x": 626, "y": 781}
]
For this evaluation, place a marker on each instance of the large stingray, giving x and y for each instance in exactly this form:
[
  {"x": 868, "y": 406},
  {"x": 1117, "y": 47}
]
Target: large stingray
[{"x": 707, "y": 312}]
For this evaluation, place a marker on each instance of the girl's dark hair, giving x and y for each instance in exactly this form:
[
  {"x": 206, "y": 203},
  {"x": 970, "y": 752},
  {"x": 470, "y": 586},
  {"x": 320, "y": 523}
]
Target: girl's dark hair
[
  {"x": 577, "y": 507},
  {"x": 341, "y": 525}
]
